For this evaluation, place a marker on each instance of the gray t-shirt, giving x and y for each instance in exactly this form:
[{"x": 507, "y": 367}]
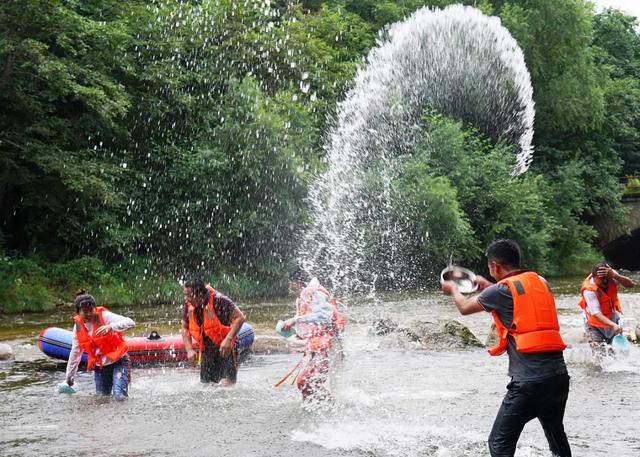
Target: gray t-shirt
[{"x": 522, "y": 367}]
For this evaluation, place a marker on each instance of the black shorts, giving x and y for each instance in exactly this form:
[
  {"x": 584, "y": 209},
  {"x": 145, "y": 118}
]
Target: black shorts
[{"x": 214, "y": 368}]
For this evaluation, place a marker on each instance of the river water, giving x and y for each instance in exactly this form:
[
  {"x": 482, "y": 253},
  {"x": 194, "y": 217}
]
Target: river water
[{"x": 393, "y": 398}]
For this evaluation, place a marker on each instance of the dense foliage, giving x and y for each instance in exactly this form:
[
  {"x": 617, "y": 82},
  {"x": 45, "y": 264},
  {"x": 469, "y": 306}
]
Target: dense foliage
[{"x": 158, "y": 139}]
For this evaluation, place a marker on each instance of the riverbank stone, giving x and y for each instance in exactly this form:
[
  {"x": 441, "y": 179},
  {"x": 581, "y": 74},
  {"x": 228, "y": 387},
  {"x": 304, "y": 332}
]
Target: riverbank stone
[
  {"x": 435, "y": 335},
  {"x": 6, "y": 352},
  {"x": 272, "y": 344}
]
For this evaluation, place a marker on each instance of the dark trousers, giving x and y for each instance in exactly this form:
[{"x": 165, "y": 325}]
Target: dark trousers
[
  {"x": 214, "y": 367},
  {"x": 525, "y": 401}
]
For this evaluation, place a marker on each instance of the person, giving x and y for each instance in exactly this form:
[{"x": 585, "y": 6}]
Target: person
[
  {"x": 523, "y": 309},
  {"x": 601, "y": 305},
  {"x": 98, "y": 332},
  {"x": 319, "y": 322},
  {"x": 213, "y": 321}
]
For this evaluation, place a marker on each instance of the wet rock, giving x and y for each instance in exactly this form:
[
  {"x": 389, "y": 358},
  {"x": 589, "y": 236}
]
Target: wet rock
[
  {"x": 442, "y": 335},
  {"x": 267, "y": 344},
  {"x": 383, "y": 327},
  {"x": 492, "y": 337},
  {"x": 6, "y": 352}
]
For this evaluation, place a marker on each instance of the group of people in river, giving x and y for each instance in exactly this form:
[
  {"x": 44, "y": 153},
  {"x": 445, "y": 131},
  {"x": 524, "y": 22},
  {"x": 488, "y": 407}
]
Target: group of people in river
[
  {"x": 521, "y": 303},
  {"x": 212, "y": 320}
]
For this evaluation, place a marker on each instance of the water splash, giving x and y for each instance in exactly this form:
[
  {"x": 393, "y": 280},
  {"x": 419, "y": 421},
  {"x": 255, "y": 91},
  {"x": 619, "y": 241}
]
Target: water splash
[{"x": 457, "y": 60}]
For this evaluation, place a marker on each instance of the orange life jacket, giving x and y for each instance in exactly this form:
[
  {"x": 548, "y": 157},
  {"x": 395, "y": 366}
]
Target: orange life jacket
[
  {"x": 322, "y": 336},
  {"x": 608, "y": 299},
  {"x": 535, "y": 325},
  {"x": 112, "y": 345},
  {"x": 211, "y": 325}
]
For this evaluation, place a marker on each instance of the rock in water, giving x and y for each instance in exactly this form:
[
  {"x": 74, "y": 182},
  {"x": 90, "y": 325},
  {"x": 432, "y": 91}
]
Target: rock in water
[
  {"x": 266, "y": 344},
  {"x": 443, "y": 335},
  {"x": 492, "y": 337},
  {"x": 383, "y": 327},
  {"x": 6, "y": 352}
]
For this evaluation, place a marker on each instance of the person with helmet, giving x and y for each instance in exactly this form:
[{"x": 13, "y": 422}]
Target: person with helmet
[
  {"x": 319, "y": 322},
  {"x": 213, "y": 321},
  {"x": 523, "y": 309},
  {"x": 98, "y": 332},
  {"x": 601, "y": 305}
]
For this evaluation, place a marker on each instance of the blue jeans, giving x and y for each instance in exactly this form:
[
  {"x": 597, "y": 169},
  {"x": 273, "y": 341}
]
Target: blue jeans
[{"x": 113, "y": 379}]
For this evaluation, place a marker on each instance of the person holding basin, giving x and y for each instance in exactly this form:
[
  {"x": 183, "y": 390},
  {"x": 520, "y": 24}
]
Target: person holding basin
[{"x": 523, "y": 309}]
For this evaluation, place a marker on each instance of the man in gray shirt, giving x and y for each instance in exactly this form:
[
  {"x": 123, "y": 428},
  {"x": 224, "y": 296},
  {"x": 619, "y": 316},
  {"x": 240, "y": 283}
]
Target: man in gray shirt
[{"x": 524, "y": 312}]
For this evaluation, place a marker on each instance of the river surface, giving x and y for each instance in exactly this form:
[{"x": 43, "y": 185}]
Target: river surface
[{"x": 392, "y": 397}]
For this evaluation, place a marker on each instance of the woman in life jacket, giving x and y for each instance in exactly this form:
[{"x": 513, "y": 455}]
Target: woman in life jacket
[
  {"x": 319, "y": 322},
  {"x": 98, "y": 332},
  {"x": 601, "y": 305}
]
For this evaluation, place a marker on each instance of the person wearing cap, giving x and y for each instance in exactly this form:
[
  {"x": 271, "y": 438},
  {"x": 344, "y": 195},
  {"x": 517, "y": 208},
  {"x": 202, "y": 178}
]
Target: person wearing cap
[
  {"x": 523, "y": 309},
  {"x": 319, "y": 322},
  {"x": 601, "y": 305},
  {"x": 213, "y": 321},
  {"x": 98, "y": 332}
]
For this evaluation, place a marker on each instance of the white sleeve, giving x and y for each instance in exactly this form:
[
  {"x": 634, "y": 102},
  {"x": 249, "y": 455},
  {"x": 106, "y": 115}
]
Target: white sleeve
[
  {"x": 118, "y": 323},
  {"x": 74, "y": 356},
  {"x": 593, "y": 305}
]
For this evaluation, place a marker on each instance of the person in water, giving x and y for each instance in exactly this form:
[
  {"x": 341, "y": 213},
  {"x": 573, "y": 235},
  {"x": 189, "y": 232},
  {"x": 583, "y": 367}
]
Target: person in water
[
  {"x": 98, "y": 332},
  {"x": 599, "y": 300},
  {"x": 213, "y": 321},
  {"x": 523, "y": 309},
  {"x": 318, "y": 322}
]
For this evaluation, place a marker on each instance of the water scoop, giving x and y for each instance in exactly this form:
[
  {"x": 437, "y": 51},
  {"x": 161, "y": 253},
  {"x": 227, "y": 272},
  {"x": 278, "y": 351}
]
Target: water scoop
[
  {"x": 64, "y": 388},
  {"x": 281, "y": 332},
  {"x": 620, "y": 344},
  {"x": 464, "y": 279}
]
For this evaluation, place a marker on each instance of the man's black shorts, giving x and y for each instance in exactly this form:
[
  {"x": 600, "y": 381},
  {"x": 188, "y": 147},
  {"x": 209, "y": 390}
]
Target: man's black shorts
[{"x": 214, "y": 368}]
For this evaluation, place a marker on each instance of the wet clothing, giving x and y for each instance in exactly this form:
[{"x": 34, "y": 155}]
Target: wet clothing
[
  {"x": 601, "y": 335},
  {"x": 545, "y": 400},
  {"x": 522, "y": 367},
  {"x": 598, "y": 332},
  {"x": 539, "y": 386},
  {"x": 213, "y": 367},
  {"x": 118, "y": 324},
  {"x": 113, "y": 379},
  {"x": 311, "y": 381}
]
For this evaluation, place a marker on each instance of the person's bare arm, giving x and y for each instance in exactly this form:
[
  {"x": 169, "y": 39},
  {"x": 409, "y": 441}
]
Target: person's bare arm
[
  {"x": 602, "y": 318},
  {"x": 186, "y": 338},
  {"x": 608, "y": 272},
  {"x": 237, "y": 319}
]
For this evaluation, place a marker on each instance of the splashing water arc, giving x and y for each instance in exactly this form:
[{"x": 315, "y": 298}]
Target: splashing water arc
[{"x": 457, "y": 60}]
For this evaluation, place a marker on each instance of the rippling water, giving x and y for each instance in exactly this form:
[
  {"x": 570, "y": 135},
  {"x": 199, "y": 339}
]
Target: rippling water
[{"x": 393, "y": 398}]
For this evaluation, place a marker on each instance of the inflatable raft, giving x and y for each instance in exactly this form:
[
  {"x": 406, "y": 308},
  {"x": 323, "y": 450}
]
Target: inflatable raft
[{"x": 56, "y": 342}]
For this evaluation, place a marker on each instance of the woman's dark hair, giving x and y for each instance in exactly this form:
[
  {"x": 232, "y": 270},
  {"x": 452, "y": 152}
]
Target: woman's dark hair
[
  {"x": 504, "y": 252},
  {"x": 84, "y": 300},
  {"x": 299, "y": 275},
  {"x": 197, "y": 286}
]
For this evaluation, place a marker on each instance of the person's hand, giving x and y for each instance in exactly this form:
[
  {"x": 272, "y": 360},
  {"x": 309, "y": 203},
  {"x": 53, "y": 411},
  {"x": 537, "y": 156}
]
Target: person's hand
[
  {"x": 605, "y": 272},
  {"x": 69, "y": 381},
  {"x": 286, "y": 325},
  {"x": 483, "y": 282},
  {"x": 226, "y": 347},
  {"x": 191, "y": 354},
  {"x": 449, "y": 287},
  {"x": 103, "y": 330},
  {"x": 618, "y": 329}
]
